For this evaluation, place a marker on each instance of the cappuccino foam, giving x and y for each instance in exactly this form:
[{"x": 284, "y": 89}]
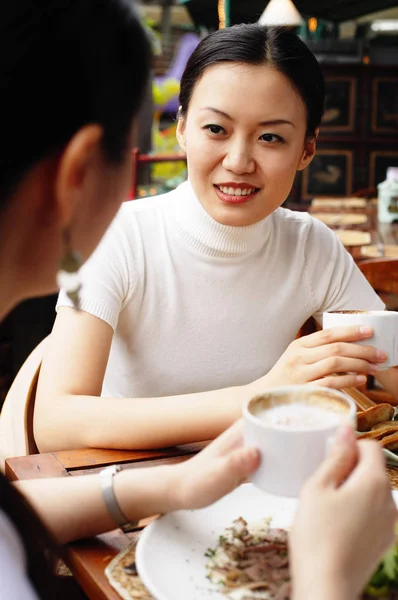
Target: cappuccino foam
[{"x": 299, "y": 416}]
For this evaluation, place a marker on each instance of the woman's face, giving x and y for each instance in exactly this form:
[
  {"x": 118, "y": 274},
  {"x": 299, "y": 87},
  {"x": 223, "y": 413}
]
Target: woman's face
[
  {"x": 81, "y": 192},
  {"x": 245, "y": 138}
]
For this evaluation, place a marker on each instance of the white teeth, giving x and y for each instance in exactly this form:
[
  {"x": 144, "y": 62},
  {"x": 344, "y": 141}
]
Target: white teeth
[{"x": 236, "y": 191}]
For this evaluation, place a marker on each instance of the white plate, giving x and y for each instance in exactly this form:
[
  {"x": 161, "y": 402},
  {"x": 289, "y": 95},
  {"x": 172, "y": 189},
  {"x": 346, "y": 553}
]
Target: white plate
[
  {"x": 170, "y": 554},
  {"x": 391, "y": 457}
]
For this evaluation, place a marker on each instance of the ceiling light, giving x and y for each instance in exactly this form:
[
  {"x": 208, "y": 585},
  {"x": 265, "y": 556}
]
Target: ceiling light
[
  {"x": 386, "y": 25},
  {"x": 281, "y": 12}
]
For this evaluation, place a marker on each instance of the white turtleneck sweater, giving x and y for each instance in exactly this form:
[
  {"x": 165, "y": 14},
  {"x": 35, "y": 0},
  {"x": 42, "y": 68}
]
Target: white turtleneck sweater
[{"x": 197, "y": 306}]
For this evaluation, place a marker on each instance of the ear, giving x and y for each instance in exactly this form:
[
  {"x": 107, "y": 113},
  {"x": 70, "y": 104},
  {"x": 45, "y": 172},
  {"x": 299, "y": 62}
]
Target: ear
[
  {"x": 81, "y": 156},
  {"x": 181, "y": 131},
  {"x": 309, "y": 151}
]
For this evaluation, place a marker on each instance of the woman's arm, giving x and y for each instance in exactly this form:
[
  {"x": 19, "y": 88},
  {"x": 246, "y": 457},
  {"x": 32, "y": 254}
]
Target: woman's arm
[
  {"x": 73, "y": 507},
  {"x": 69, "y": 412}
]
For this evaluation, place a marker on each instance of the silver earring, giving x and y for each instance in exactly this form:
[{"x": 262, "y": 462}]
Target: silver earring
[{"x": 68, "y": 274}]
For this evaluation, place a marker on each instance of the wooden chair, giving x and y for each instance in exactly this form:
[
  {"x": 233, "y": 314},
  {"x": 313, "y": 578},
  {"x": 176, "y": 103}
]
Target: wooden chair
[
  {"x": 16, "y": 418},
  {"x": 382, "y": 274}
]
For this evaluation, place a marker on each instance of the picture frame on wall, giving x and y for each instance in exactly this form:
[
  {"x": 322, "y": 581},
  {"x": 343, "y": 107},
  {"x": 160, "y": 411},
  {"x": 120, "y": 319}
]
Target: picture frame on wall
[
  {"x": 380, "y": 160},
  {"x": 340, "y": 98},
  {"x": 385, "y": 105},
  {"x": 328, "y": 175}
]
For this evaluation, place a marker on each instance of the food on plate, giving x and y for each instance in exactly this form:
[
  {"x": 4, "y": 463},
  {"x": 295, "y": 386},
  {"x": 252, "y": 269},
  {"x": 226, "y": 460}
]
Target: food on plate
[
  {"x": 390, "y": 442},
  {"x": 251, "y": 562},
  {"x": 372, "y": 416},
  {"x": 381, "y": 425},
  {"x": 377, "y": 423},
  {"x": 382, "y": 431}
]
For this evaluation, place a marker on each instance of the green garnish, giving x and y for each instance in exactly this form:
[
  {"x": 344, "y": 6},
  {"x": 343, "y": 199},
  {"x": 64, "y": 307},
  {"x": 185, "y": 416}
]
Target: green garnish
[{"x": 385, "y": 578}]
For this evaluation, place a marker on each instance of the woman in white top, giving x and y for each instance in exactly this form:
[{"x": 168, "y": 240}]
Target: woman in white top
[
  {"x": 63, "y": 179},
  {"x": 193, "y": 300}
]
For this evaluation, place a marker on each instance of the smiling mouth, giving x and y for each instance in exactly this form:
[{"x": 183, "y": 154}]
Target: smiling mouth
[
  {"x": 239, "y": 191},
  {"x": 235, "y": 195}
]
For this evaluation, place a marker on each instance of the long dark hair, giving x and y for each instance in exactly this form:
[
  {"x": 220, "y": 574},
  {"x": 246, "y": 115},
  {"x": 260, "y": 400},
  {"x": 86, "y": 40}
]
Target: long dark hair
[
  {"x": 64, "y": 64},
  {"x": 255, "y": 44}
]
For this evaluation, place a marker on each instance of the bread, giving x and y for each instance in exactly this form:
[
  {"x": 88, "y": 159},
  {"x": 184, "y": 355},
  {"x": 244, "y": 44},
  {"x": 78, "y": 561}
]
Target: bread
[
  {"x": 370, "y": 435},
  {"x": 379, "y": 433},
  {"x": 372, "y": 416},
  {"x": 392, "y": 424},
  {"x": 390, "y": 442}
]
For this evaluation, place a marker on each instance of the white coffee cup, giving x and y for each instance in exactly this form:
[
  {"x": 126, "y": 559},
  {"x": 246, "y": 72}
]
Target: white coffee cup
[
  {"x": 292, "y": 448},
  {"x": 383, "y": 322}
]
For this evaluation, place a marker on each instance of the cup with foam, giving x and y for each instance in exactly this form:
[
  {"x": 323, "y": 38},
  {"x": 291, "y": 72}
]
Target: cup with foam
[{"x": 293, "y": 426}]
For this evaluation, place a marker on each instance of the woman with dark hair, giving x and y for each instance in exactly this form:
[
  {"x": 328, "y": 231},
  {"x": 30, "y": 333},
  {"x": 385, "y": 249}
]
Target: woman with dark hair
[
  {"x": 195, "y": 298},
  {"x": 85, "y": 66},
  {"x": 72, "y": 75}
]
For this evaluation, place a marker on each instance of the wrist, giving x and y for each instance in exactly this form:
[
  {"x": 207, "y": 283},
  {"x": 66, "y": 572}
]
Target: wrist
[
  {"x": 258, "y": 387},
  {"x": 178, "y": 494},
  {"x": 147, "y": 492},
  {"x": 174, "y": 490},
  {"x": 318, "y": 586}
]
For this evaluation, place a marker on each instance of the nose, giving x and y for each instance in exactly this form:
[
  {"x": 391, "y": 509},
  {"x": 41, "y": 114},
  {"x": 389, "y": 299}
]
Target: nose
[{"x": 239, "y": 157}]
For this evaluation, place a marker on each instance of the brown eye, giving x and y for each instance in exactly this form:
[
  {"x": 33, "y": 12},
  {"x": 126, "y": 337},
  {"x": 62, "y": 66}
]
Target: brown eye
[
  {"x": 271, "y": 138},
  {"x": 214, "y": 129}
]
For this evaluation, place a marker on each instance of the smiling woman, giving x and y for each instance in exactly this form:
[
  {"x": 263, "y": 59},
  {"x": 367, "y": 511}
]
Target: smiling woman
[
  {"x": 242, "y": 162},
  {"x": 260, "y": 149},
  {"x": 194, "y": 298}
]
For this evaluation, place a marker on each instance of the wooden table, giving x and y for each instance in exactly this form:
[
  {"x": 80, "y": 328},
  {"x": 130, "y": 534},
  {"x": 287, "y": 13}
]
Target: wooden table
[
  {"x": 87, "y": 559},
  {"x": 381, "y": 233}
]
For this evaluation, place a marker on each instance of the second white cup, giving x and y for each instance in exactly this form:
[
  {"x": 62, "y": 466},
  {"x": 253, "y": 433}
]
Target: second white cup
[{"x": 383, "y": 322}]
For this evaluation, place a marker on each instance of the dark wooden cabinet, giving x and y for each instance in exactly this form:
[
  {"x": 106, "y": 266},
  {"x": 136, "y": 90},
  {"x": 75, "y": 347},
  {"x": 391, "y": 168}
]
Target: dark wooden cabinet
[{"x": 358, "y": 139}]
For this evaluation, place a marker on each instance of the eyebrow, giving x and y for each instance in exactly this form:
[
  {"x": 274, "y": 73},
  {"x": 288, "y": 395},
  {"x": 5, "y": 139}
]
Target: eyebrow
[{"x": 269, "y": 122}]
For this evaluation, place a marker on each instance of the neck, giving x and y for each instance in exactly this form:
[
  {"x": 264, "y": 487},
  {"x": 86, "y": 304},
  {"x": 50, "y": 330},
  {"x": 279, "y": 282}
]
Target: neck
[
  {"x": 13, "y": 235},
  {"x": 6, "y": 305},
  {"x": 207, "y": 236},
  {"x": 29, "y": 240},
  {"x": 10, "y": 278}
]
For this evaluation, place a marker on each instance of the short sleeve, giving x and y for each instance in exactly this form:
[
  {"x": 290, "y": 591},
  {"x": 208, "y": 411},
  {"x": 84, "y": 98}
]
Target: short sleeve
[
  {"x": 334, "y": 280},
  {"x": 109, "y": 276}
]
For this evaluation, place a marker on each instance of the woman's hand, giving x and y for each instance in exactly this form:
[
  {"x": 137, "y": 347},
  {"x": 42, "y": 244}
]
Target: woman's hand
[
  {"x": 344, "y": 524},
  {"x": 316, "y": 358},
  {"x": 215, "y": 471}
]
